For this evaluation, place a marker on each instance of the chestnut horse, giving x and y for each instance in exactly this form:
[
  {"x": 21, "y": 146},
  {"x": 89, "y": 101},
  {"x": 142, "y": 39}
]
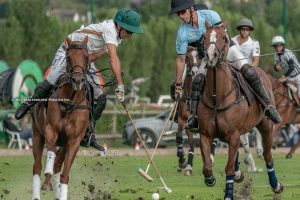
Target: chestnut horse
[
  {"x": 192, "y": 65},
  {"x": 286, "y": 106},
  {"x": 65, "y": 116},
  {"x": 225, "y": 112}
]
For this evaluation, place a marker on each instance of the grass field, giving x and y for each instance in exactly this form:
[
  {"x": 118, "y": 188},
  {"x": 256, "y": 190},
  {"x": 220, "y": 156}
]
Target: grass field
[{"x": 91, "y": 177}]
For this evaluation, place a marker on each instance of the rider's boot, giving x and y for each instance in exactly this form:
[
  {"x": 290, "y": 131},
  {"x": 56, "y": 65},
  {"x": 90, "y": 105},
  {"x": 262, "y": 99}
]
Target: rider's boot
[
  {"x": 197, "y": 88},
  {"x": 41, "y": 91},
  {"x": 89, "y": 139},
  {"x": 254, "y": 80}
]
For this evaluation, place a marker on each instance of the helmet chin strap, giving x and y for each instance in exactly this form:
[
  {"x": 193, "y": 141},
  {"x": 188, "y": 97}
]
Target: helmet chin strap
[
  {"x": 119, "y": 34},
  {"x": 191, "y": 17}
]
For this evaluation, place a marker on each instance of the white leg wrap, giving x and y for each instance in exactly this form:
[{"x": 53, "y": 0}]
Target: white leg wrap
[
  {"x": 212, "y": 158},
  {"x": 50, "y": 162},
  {"x": 63, "y": 191},
  {"x": 56, "y": 178},
  {"x": 36, "y": 187}
]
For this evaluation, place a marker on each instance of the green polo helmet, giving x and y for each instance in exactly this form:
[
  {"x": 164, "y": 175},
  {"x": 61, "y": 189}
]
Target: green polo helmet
[{"x": 129, "y": 20}]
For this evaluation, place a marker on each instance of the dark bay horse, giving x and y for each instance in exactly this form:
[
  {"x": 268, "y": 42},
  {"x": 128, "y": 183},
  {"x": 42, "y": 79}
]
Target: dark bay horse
[
  {"x": 66, "y": 115},
  {"x": 183, "y": 110},
  {"x": 225, "y": 113},
  {"x": 286, "y": 106}
]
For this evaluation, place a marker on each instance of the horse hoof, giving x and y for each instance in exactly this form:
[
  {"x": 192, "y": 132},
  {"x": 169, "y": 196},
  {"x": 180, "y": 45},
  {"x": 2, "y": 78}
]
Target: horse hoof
[
  {"x": 182, "y": 165},
  {"x": 279, "y": 189},
  {"x": 239, "y": 177},
  {"x": 188, "y": 172},
  {"x": 260, "y": 156},
  {"x": 47, "y": 187},
  {"x": 289, "y": 156},
  {"x": 210, "y": 182}
]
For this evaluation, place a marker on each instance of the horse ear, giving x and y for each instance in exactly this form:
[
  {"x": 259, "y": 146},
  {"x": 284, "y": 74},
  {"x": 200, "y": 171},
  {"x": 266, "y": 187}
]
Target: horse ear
[
  {"x": 68, "y": 40},
  {"x": 85, "y": 39},
  {"x": 207, "y": 25}
]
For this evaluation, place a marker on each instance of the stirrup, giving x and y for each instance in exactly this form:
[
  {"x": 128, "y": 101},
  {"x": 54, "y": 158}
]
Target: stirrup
[{"x": 189, "y": 126}]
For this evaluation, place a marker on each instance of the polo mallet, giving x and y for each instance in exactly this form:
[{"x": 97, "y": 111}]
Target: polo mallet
[
  {"x": 172, "y": 122},
  {"x": 173, "y": 110},
  {"x": 139, "y": 170}
]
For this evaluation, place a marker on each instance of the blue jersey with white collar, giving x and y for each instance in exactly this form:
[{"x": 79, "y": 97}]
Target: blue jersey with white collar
[{"x": 187, "y": 34}]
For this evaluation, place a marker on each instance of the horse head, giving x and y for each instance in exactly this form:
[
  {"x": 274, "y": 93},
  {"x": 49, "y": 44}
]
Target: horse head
[
  {"x": 193, "y": 61},
  {"x": 77, "y": 62},
  {"x": 216, "y": 44}
]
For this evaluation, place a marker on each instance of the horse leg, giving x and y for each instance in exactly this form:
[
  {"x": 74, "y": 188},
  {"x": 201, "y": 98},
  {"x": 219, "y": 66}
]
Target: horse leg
[
  {"x": 213, "y": 150},
  {"x": 249, "y": 161},
  {"x": 232, "y": 165},
  {"x": 37, "y": 149},
  {"x": 293, "y": 149},
  {"x": 209, "y": 179},
  {"x": 189, "y": 168},
  {"x": 57, "y": 170},
  {"x": 259, "y": 148},
  {"x": 238, "y": 174},
  {"x": 72, "y": 147},
  {"x": 50, "y": 138},
  {"x": 265, "y": 128},
  {"x": 179, "y": 144}
]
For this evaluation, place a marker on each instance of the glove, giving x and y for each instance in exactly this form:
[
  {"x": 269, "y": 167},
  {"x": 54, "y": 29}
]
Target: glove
[
  {"x": 178, "y": 93},
  {"x": 120, "y": 92}
]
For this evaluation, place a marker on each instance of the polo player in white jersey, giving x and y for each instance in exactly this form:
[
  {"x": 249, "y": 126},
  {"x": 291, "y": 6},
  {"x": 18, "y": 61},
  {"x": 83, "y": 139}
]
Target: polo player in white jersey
[
  {"x": 103, "y": 38},
  {"x": 250, "y": 49}
]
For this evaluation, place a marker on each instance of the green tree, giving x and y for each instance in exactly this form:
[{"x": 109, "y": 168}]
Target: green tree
[{"x": 12, "y": 41}]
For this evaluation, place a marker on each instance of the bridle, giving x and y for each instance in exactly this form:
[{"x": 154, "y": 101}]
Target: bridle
[
  {"x": 70, "y": 68},
  {"x": 220, "y": 51}
]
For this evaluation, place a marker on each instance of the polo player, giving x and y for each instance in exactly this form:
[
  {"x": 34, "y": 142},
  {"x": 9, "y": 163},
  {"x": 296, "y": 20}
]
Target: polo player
[
  {"x": 192, "y": 30},
  {"x": 250, "y": 49},
  {"x": 103, "y": 38},
  {"x": 286, "y": 60}
]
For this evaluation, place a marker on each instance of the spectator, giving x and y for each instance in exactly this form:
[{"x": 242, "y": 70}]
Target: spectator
[{"x": 25, "y": 133}]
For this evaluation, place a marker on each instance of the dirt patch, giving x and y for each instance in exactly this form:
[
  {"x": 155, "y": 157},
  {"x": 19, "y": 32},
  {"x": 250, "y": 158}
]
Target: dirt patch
[{"x": 244, "y": 192}]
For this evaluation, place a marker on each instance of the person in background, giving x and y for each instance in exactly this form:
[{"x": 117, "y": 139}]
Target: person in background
[
  {"x": 250, "y": 49},
  {"x": 25, "y": 132},
  {"x": 285, "y": 60}
]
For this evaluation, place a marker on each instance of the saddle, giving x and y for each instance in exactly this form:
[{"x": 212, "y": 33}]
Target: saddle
[{"x": 243, "y": 85}]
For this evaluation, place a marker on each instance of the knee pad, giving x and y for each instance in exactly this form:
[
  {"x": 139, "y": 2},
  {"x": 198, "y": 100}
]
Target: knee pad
[
  {"x": 249, "y": 73},
  {"x": 102, "y": 99}
]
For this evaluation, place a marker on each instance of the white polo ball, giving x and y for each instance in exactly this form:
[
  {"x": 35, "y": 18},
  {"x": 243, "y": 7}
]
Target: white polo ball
[{"x": 155, "y": 196}]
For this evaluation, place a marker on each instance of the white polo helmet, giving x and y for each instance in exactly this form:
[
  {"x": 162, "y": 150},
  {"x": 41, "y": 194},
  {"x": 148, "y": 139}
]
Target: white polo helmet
[{"x": 278, "y": 40}]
